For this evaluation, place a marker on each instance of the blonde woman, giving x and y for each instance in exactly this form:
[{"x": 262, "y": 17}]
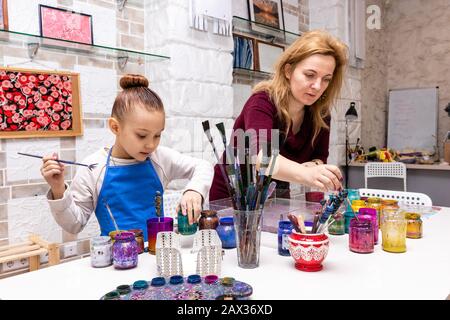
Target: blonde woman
[{"x": 297, "y": 100}]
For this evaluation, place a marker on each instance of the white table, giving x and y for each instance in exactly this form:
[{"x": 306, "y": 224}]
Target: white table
[{"x": 423, "y": 272}]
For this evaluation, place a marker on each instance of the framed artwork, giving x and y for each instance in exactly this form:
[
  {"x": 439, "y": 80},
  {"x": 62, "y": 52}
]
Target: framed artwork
[
  {"x": 267, "y": 12},
  {"x": 67, "y": 25},
  {"x": 38, "y": 103},
  {"x": 243, "y": 54},
  {"x": 4, "y": 15},
  {"x": 268, "y": 54}
]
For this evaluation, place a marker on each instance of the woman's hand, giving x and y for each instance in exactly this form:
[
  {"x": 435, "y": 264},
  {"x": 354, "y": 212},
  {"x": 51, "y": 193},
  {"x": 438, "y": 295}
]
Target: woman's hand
[
  {"x": 53, "y": 173},
  {"x": 191, "y": 204},
  {"x": 326, "y": 177}
]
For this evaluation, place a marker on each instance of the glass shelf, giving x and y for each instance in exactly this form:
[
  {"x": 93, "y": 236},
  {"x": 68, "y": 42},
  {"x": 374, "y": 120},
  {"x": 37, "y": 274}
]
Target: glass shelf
[
  {"x": 262, "y": 31},
  {"x": 35, "y": 42},
  {"x": 251, "y": 73}
]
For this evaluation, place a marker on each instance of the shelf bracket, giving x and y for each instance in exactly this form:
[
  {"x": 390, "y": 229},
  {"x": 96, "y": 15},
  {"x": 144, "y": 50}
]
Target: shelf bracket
[
  {"x": 33, "y": 49},
  {"x": 121, "y": 4},
  {"x": 122, "y": 61}
]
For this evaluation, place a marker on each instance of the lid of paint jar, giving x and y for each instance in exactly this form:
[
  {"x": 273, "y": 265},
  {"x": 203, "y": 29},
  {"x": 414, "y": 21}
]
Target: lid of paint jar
[
  {"x": 368, "y": 211},
  {"x": 210, "y": 279},
  {"x": 412, "y": 216},
  {"x": 176, "y": 279},
  {"x": 112, "y": 295},
  {"x": 208, "y": 213},
  {"x": 227, "y": 281},
  {"x": 358, "y": 203},
  {"x": 373, "y": 200},
  {"x": 114, "y": 233},
  {"x": 284, "y": 224},
  {"x": 194, "y": 278},
  {"x": 124, "y": 289},
  {"x": 124, "y": 236},
  {"x": 140, "y": 284},
  {"x": 158, "y": 282},
  {"x": 226, "y": 220}
]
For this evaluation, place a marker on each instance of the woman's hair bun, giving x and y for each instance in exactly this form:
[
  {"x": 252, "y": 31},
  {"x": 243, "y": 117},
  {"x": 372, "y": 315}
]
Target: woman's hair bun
[{"x": 133, "y": 80}]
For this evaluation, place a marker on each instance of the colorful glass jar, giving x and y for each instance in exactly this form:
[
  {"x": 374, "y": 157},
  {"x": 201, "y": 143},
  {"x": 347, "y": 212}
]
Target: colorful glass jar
[
  {"x": 227, "y": 233},
  {"x": 387, "y": 204},
  {"x": 413, "y": 225},
  {"x": 101, "y": 252},
  {"x": 184, "y": 227},
  {"x": 337, "y": 228},
  {"x": 139, "y": 236},
  {"x": 393, "y": 230},
  {"x": 371, "y": 214},
  {"x": 284, "y": 230},
  {"x": 375, "y": 203},
  {"x": 361, "y": 235},
  {"x": 208, "y": 220},
  {"x": 348, "y": 215},
  {"x": 352, "y": 194},
  {"x": 125, "y": 251}
]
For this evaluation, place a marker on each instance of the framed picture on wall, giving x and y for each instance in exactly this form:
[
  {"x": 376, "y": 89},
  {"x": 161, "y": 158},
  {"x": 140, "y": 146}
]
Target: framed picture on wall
[
  {"x": 244, "y": 52},
  {"x": 38, "y": 103},
  {"x": 67, "y": 25},
  {"x": 4, "y": 15},
  {"x": 267, "y": 12},
  {"x": 268, "y": 54}
]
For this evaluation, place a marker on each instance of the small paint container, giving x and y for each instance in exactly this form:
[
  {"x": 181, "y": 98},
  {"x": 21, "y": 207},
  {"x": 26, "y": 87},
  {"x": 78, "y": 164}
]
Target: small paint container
[
  {"x": 101, "y": 252},
  {"x": 125, "y": 251},
  {"x": 414, "y": 225}
]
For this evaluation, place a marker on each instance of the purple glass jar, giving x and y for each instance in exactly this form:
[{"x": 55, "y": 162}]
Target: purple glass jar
[
  {"x": 125, "y": 251},
  {"x": 361, "y": 235},
  {"x": 372, "y": 215}
]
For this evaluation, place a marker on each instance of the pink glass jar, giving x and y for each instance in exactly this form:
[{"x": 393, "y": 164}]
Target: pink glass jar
[
  {"x": 361, "y": 235},
  {"x": 372, "y": 215}
]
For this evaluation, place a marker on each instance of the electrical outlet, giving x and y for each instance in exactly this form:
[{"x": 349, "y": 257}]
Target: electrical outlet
[
  {"x": 70, "y": 249},
  {"x": 14, "y": 265}
]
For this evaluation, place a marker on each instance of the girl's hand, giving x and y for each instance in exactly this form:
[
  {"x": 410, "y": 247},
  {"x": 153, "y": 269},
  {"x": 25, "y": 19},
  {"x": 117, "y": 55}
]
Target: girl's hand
[
  {"x": 326, "y": 177},
  {"x": 191, "y": 204},
  {"x": 53, "y": 173}
]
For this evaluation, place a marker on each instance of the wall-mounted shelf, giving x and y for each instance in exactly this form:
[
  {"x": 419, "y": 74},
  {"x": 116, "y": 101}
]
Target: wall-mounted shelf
[
  {"x": 35, "y": 42},
  {"x": 262, "y": 31},
  {"x": 251, "y": 73}
]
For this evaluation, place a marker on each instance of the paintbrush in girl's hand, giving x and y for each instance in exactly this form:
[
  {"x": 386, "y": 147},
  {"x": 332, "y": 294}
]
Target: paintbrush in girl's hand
[
  {"x": 90, "y": 166},
  {"x": 111, "y": 215}
]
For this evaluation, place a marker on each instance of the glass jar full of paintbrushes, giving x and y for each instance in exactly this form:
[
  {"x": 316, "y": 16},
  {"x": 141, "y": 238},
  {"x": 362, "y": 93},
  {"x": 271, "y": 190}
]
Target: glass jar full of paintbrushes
[{"x": 248, "y": 237}]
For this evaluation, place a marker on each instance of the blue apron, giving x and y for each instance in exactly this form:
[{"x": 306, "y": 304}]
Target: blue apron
[{"x": 129, "y": 191}]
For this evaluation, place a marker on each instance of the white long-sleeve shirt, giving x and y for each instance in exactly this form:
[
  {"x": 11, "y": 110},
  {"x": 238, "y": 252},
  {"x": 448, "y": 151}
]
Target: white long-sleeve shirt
[{"x": 79, "y": 201}]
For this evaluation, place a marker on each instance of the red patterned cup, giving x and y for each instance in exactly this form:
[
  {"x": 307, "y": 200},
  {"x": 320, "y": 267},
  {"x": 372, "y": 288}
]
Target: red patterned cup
[{"x": 308, "y": 250}]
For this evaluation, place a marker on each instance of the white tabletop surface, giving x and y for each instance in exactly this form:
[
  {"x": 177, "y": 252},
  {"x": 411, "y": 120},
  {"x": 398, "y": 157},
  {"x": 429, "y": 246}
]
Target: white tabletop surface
[{"x": 423, "y": 272}]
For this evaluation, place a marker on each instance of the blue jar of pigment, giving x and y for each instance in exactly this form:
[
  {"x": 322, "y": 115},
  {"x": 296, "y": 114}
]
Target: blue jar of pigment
[
  {"x": 226, "y": 232},
  {"x": 284, "y": 230}
]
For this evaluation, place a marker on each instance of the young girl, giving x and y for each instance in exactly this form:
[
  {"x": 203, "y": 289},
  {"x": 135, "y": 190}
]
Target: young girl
[{"x": 130, "y": 173}]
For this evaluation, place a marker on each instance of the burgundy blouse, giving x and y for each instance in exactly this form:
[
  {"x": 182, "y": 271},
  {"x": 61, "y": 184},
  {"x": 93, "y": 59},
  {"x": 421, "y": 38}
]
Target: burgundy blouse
[{"x": 259, "y": 112}]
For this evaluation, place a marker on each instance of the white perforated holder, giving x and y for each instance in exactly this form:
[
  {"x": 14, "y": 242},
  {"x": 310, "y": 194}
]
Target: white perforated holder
[
  {"x": 168, "y": 254},
  {"x": 414, "y": 198}
]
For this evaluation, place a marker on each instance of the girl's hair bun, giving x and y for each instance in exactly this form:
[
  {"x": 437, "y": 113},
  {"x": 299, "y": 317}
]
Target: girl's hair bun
[{"x": 133, "y": 81}]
